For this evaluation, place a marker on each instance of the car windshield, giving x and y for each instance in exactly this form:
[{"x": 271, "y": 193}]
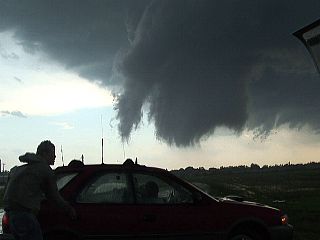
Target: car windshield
[{"x": 64, "y": 178}]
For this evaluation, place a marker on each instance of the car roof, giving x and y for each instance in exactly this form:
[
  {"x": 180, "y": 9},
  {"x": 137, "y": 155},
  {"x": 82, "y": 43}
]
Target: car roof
[{"x": 77, "y": 165}]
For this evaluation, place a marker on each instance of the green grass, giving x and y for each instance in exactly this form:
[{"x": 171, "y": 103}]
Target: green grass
[{"x": 299, "y": 188}]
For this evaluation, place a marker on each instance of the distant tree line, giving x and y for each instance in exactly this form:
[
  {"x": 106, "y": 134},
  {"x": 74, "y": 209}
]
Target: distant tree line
[{"x": 244, "y": 168}]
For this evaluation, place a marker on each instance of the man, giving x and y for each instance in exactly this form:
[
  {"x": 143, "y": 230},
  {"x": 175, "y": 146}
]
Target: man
[
  {"x": 27, "y": 185},
  {"x": 151, "y": 191}
]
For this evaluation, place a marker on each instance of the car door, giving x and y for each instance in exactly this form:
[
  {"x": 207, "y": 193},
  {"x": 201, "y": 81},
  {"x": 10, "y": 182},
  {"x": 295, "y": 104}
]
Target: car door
[
  {"x": 104, "y": 207},
  {"x": 173, "y": 212}
]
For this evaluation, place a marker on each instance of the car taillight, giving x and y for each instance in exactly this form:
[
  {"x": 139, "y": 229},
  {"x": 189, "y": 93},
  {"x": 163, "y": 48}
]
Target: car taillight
[
  {"x": 5, "y": 223},
  {"x": 284, "y": 219}
]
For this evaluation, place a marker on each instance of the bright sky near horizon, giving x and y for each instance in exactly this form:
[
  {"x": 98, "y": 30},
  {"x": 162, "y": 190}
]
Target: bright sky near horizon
[{"x": 44, "y": 98}]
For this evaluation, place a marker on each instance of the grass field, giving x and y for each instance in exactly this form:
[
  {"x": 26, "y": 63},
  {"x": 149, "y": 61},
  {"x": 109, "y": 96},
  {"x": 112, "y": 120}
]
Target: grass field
[{"x": 295, "y": 191}]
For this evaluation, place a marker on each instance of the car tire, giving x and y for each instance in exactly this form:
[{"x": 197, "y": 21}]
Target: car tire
[{"x": 246, "y": 235}]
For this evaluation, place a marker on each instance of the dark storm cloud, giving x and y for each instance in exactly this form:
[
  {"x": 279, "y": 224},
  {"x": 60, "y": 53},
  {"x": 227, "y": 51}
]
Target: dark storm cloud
[
  {"x": 191, "y": 65},
  {"x": 83, "y": 35},
  {"x": 203, "y": 64}
]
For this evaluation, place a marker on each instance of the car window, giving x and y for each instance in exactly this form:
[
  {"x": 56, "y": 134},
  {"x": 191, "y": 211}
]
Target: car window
[
  {"x": 107, "y": 188},
  {"x": 64, "y": 178},
  {"x": 152, "y": 189}
]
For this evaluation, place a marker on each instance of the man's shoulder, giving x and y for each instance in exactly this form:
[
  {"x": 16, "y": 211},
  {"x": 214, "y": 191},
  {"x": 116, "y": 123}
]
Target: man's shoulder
[
  {"x": 16, "y": 170},
  {"x": 42, "y": 168}
]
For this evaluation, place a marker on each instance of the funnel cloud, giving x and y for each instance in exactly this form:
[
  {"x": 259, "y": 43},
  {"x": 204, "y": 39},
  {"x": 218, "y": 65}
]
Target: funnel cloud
[{"x": 190, "y": 66}]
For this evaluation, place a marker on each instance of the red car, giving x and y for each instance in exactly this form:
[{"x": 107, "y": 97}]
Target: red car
[{"x": 131, "y": 201}]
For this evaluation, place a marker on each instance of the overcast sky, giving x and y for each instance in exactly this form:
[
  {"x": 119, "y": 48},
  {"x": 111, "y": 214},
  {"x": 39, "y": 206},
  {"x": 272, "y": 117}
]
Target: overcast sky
[{"x": 174, "y": 83}]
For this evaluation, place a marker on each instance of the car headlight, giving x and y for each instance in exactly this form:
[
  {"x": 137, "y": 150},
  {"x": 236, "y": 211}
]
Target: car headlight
[{"x": 284, "y": 219}]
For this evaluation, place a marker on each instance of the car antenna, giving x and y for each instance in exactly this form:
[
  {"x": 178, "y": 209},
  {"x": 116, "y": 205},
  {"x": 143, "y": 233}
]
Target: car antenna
[
  {"x": 101, "y": 141},
  {"x": 62, "y": 156},
  {"x": 136, "y": 161},
  {"x": 82, "y": 158}
]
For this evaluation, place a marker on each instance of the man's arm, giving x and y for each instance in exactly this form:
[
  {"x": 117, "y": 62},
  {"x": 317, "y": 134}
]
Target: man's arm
[{"x": 52, "y": 194}]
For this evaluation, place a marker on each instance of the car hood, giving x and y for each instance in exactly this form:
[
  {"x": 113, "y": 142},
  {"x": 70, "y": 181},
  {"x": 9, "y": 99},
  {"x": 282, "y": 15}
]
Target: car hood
[{"x": 235, "y": 200}]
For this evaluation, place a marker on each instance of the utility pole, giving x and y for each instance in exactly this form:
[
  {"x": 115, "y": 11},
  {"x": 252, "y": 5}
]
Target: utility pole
[{"x": 62, "y": 156}]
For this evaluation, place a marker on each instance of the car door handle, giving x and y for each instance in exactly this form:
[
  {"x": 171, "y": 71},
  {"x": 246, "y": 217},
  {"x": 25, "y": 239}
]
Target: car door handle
[{"x": 149, "y": 218}]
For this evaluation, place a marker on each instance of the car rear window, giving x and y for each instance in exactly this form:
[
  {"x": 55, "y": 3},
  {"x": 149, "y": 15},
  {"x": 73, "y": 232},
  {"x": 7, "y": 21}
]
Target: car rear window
[{"x": 64, "y": 178}]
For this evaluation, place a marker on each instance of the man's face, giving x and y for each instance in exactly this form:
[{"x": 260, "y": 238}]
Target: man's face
[{"x": 51, "y": 156}]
